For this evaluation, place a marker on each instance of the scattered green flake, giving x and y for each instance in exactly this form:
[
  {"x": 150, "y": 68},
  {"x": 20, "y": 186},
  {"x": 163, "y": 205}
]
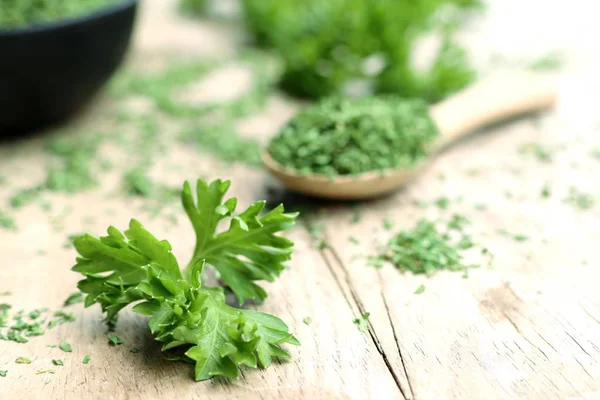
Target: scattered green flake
[
  {"x": 57, "y": 362},
  {"x": 77, "y": 157},
  {"x": 442, "y": 203},
  {"x": 473, "y": 172},
  {"x": 74, "y": 298},
  {"x": 35, "y": 314},
  {"x": 307, "y": 320},
  {"x": 7, "y": 222},
  {"x": 60, "y": 317},
  {"x": 548, "y": 62},
  {"x": 86, "y": 359},
  {"x": 52, "y": 346},
  {"x": 134, "y": 350},
  {"x": 362, "y": 322},
  {"x": 458, "y": 222},
  {"x": 23, "y": 360},
  {"x": 516, "y": 237},
  {"x": 541, "y": 152},
  {"x": 6, "y": 293},
  {"x": 596, "y": 153},
  {"x": 3, "y": 372},
  {"x": 481, "y": 207},
  {"x": 64, "y": 346},
  {"x": 25, "y": 196},
  {"x": 353, "y": 240},
  {"x": 387, "y": 224},
  {"x": 545, "y": 192},
  {"x": 355, "y": 218},
  {"x": 48, "y": 382},
  {"x": 420, "y": 203},
  {"x": 45, "y": 371},
  {"x": 420, "y": 289},
  {"x": 114, "y": 340},
  {"x": 426, "y": 250},
  {"x": 579, "y": 199}
]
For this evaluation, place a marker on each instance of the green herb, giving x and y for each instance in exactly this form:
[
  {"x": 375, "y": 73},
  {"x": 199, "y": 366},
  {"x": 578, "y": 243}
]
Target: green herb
[
  {"x": 362, "y": 322},
  {"x": 3, "y": 372},
  {"x": 329, "y": 45},
  {"x": 339, "y": 136},
  {"x": 542, "y": 153},
  {"x": 307, "y": 320},
  {"x": 353, "y": 240},
  {"x": 114, "y": 340},
  {"x": 16, "y": 14},
  {"x": 23, "y": 360},
  {"x": 61, "y": 317},
  {"x": 7, "y": 222},
  {"x": 458, "y": 222},
  {"x": 579, "y": 199},
  {"x": 545, "y": 192},
  {"x": 516, "y": 237},
  {"x": 5, "y": 293},
  {"x": 420, "y": 289},
  {"x": 184, "y": 311},
  {"x": 52, "y": 346},
  {"x": 74, "y": 298},
  {"x": 596, "y": 153},
  {"x": 549, "y": 62},
  {"x": 134, "y": 350},
  {"x": 25, "y": 196},
  {"x": 58, "y": 362},
  {"x": 86, "y": 359},
  {"x": 45, "y": 371},
  {"x": 424, "y": 250},
  {"x": 387, "y": 224},
  {"x": 197, "y": 7},
  {"x": 76, "y": 155},
  {"x": 480, "y": 207},
  {"x": 355, "y": 218},
  {"x": 442, "y": 203},
  {"x": 64, "y": 346},
  {"x": 225, "y": 143}
]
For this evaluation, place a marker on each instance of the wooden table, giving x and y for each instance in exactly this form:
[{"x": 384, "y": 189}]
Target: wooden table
[{"x": 526, "y": 328}]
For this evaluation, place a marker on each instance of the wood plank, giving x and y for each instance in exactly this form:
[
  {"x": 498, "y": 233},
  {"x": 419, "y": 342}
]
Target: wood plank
[{"x": 528, "y": 328}]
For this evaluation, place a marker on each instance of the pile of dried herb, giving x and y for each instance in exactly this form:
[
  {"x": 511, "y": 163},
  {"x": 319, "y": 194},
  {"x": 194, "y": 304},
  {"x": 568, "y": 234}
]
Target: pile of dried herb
[
  {"x": 427, "y": 248},
  {"x": 18, "y": 13},
  {"x": 329, "y": 46},
  {"x": 340, "y": 136}
]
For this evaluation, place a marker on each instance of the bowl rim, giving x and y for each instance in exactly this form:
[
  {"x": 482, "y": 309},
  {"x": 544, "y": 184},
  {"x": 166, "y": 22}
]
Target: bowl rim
[{"x": 119, "y": 6}]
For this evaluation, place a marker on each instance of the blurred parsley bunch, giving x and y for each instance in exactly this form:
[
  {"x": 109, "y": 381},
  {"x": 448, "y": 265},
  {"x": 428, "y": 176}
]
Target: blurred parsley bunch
[{"x": 327, "y": 45}]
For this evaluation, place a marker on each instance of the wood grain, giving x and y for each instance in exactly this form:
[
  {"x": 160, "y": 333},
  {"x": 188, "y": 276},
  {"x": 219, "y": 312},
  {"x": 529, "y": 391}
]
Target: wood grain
[{"x": 526, "y": 327}]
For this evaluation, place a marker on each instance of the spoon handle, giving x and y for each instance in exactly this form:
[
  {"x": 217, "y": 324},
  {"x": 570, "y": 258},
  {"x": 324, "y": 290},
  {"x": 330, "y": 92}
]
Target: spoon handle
[{"x": 491, "y": 101}]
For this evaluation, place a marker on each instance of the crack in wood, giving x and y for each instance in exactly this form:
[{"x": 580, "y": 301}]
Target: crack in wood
[{"x": 358, "y": 304}]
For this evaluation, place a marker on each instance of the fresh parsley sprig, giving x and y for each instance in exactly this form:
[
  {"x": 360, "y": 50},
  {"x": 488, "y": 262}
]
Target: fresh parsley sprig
[{"x": 135, "y": 267}]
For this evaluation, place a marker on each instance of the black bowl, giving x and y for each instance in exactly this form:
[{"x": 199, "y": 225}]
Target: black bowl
[{"x": 48, "y": 72}]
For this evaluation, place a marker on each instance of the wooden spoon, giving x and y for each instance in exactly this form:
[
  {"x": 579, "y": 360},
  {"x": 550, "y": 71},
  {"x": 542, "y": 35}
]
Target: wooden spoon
[{"x": 490, "y": 101}]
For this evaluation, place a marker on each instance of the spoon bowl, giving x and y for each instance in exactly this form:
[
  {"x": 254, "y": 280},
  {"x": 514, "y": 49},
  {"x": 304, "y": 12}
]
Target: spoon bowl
[{"x": 487, "y": 102}]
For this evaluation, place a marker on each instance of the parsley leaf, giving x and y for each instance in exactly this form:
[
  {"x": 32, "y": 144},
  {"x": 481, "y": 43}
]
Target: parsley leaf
[
  {"x": 249, "y": 250},
  {"x": 86, "y": 359},
  {"x": 57, "y": 362},
  {"x": 135, "y": 267},
  {"x": 3, "y": 373},
  {"x": 23, "y": 360}
]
